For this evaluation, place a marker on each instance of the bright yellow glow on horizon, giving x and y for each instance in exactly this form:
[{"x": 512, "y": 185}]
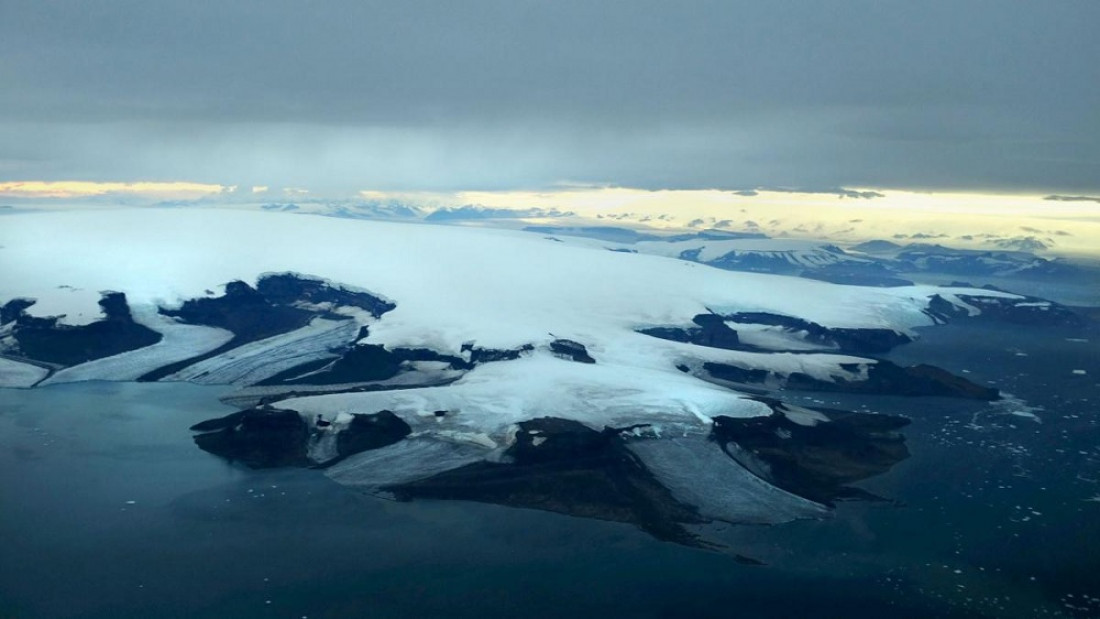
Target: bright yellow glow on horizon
[
  {"x": 958, "y": 218},
  {"x": 86, "y": 189},
  {"x": 954, "y": 218},
  {"x": 612, "y": 199}
]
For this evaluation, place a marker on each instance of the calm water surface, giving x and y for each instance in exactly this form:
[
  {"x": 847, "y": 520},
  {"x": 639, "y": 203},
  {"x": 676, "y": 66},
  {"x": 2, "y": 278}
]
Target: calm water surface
[{"x": 108, "y": 510}]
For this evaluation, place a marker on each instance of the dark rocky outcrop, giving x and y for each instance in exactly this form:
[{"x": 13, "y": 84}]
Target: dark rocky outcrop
[
  {"x": 268, "y": 437},
  {"x": 488, "y": 355},
  {"x": 366, "y": 432},
  {"x": 290, "y": 288},
  {"x": 712, "y": 331},
  {"x": 562, "y": 466},
  {"x": 1029, "y": 311},
  {"x": 883, "y": 378},
  {"x": 877, "y": 246},
  {"x": 361, "y": 363},
  {"x": 814, "y": 461},
  {"x": 736, "y": 374},
  {"x": 849, "y": 340},
  {"x": 244, "y": 311},
  {"x": 48, "y": 340},
  {"x": 1025, "y": 311},
  {"x": 764, "y": 262},
  {"x": 279, "y": 304},
  {"x": 257, "y": 437},
  {"x": 853, "y": 273},
  {"x": 569, "y": 349},
  {"x": 923, "y": 257},
  {"x": 14, "y": 309},
  {"x": 866, "y": 341}
]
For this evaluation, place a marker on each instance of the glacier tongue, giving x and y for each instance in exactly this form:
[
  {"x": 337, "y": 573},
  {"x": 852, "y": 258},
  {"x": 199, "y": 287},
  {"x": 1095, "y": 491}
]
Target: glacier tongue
[
  {"x": 412, "y": 459},
  {"x": 17, "y": 374},
  {"x": 255, "y": 361},
  {"x": 698, "y": 473},
  {"x": 179, "y": 342}
]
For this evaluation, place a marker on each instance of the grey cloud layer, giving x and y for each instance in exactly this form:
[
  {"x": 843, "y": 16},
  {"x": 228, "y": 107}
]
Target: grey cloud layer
[{"x": 961, "y": 94}]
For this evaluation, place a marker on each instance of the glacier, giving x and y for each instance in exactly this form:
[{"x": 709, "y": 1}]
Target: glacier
[{"x": 467, "y": 350}]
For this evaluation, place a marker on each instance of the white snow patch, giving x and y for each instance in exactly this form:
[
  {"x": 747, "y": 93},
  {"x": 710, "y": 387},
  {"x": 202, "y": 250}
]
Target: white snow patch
[
  {"x": 493, "y": 397},
  {"x": 803, "y": 416},
  {"x": 954, "y": 299},
  {"x": 772, "y": 337}
]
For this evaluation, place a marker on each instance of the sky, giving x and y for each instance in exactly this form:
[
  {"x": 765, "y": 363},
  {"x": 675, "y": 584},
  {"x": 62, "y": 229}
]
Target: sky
[{"x": 336, "y": 97}]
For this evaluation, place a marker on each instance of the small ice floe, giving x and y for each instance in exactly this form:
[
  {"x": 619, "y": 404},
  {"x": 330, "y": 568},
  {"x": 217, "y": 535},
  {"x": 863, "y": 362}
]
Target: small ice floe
[
  {"x": 1009, "y": 405},
  {"x": 1027, "y": 415},
  {"x": 1080, "y": 372}
]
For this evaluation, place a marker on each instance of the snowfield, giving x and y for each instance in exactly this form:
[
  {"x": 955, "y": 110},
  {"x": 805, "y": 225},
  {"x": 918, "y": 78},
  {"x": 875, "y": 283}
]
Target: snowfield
[
  {"x": 493, "y": 288},
  {"x": 457, "y": 287},
  {"x": 500, "y": 288}
]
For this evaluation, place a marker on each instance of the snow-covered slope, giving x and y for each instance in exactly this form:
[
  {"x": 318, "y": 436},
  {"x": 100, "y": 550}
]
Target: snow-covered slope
[
  {"x": 450, "y": 294},
  {"x": 498, "y": 287},
  {"x": 452, "y": 286}
]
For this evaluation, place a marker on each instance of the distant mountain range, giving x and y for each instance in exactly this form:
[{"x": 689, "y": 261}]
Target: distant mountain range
[{"x": 872, "y": 263}]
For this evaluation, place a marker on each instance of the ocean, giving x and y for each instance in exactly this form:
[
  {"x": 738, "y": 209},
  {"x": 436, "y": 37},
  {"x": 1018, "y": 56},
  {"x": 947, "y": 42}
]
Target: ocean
[{"x": 107, "y": 509}]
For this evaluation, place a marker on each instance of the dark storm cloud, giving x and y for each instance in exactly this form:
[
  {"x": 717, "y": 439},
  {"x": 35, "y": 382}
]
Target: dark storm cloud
[
  {"x": 839, "y": 192},
  {"x": 1072, "y": 199},
  {"x": 481, "y": 94}
]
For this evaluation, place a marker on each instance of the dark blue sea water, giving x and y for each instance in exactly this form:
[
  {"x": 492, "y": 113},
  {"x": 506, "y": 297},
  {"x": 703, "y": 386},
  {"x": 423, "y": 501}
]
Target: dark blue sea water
[{"x": 108, "y": 510}]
